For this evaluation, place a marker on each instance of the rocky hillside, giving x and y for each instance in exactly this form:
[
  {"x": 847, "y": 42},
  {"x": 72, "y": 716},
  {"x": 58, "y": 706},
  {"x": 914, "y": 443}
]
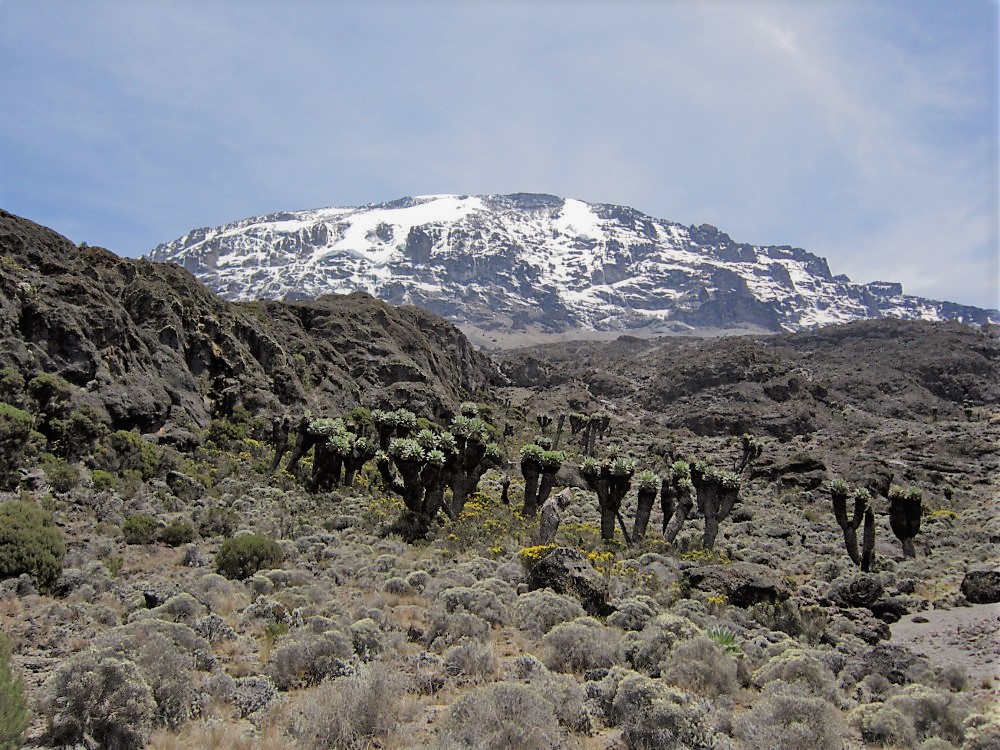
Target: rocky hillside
[
  {"x": 154, "y": 348},
  {"x": 782, "y": 385},
  {"x": 540, "y": 264}
]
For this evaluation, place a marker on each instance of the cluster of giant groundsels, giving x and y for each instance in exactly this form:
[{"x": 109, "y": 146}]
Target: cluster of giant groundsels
[{"x": 435, "y": 470}]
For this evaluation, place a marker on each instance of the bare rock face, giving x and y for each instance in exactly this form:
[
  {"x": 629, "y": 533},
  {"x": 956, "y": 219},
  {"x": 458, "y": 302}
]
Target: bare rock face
[
  {"x": 568, "y": 571},
  {"x": 981, "y": 585},
  {"x": 158, "y": 352}
]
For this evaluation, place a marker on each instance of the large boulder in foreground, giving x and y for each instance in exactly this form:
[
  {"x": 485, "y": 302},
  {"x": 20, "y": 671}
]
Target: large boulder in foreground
[
  {"x": 981, "y": 584},
  {"x": 568, "y": 571}
]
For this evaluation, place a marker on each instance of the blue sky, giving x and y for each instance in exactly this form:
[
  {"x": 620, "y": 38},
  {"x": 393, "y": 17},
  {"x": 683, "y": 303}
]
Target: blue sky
[{"x": 864, "y": 131}]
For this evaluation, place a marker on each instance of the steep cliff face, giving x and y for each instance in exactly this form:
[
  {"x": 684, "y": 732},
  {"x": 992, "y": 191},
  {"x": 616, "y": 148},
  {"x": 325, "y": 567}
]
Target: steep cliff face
[
  {"x": 524, "y": 261},
  {"x": 153, "y": 347}
]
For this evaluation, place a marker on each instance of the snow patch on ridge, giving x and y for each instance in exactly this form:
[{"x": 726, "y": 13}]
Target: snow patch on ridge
[{"x": 578, "y": 220}]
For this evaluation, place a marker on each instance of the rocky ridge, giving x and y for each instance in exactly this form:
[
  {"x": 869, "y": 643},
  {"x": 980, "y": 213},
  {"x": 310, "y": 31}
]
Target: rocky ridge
[
  {"x": 538, "y": 263},
  {"x": 154, "y": 348}
]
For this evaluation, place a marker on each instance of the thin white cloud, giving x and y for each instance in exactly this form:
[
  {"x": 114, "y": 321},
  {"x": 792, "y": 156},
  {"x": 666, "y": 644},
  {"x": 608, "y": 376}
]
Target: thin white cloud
[{"x": 856, "y": 130}]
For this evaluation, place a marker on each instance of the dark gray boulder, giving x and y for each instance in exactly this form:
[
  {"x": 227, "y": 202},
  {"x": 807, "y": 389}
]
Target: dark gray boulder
[
  {"x": 743, "y": 583},
  {"x": 981, "y": 584},
  {"x": 568, "y": 571}
]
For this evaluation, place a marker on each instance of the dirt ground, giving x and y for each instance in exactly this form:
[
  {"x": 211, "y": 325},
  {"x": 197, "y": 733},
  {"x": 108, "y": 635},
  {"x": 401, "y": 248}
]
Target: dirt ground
[{"x": 966, "y": 636}]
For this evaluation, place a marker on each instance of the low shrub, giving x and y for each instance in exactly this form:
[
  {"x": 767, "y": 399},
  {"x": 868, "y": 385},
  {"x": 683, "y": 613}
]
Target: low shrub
[
  {"x": 801, "y": 671},
  {"x": 541, "y": 610},
  {"x": 471, "y": 659},
  {"x": 446, "y": 629},
  {"x": 176, "y": 533},
  {"x": 308, "y": 658},
  {"x": 579, "y": 645},
  {"x": 167, "y": 655},
  {"x": 96, "y": 696},
  {"x": 701, "y": 666},
  {"x": 648, "y": 649},
  {"x": 102, "y": 480},
  {"x": 367, "y": 638},
  {"x": 140, "y": 528},
  {"x": 653, "y": 715},
  {"x": 30, "y": 543},
  {"x": 353, "y": 711},
  {"x": 253, "y": 693},
  {"x": 786, "y": 719},
  {"x": 934, "y": 713},
  {"x": 883, "y": 725},
  {"x": 479, "y": 602},
  {"x": 633, "y": 613},
  {"x": 217, "y": 521},
  {"x": 500, "y": 716},
  {"x": 123, "y": 451},
  {"x": 13, "y": 708},
  {"x": 242, "y": 556},
  {"x": 61, "y": 475}
]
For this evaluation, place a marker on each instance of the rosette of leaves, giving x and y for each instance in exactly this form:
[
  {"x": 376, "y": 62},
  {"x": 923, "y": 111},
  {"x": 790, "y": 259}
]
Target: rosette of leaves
[
  {"x": 839, "y": 488},
  {"x": 389, "y": 424},
  {"x": 729, "y": 480},
  {"x": 406, "y": 449},
  {"x": 680, "y": 472},
  {"x": 647, "y": 481},
  {"x": 362, "y": 449},
  {"x": 341, "y": 443},
  {"x": 435, "y": 457},
  {"x": 469, "y": 409},
  {"x": 469, "y": 427},
  {"x": 551, "y": 461},
  {"x": 610, "y": 480},
  {"x": 621, "y": 466},
  {"x": 862, "y": 498},
  {"x": 404, "y": 420},
  {"x": 544, "y": 441},
  {"x": 427, "y": 439},
  {"x": 469, "y": 456},
  {"x": 532, "y": 454},
  {"x": 326, "y": 427},
  {"x": 334, "y": 451},
  {"x": 752, "y": 450}
]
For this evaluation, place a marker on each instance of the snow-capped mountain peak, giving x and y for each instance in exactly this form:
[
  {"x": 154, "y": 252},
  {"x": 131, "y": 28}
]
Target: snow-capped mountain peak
[{"x": 520, "y": 261}]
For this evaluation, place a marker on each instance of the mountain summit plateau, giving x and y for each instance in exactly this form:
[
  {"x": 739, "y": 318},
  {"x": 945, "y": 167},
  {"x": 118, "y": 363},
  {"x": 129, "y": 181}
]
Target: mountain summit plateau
[{"x": 540, "y": 263}]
